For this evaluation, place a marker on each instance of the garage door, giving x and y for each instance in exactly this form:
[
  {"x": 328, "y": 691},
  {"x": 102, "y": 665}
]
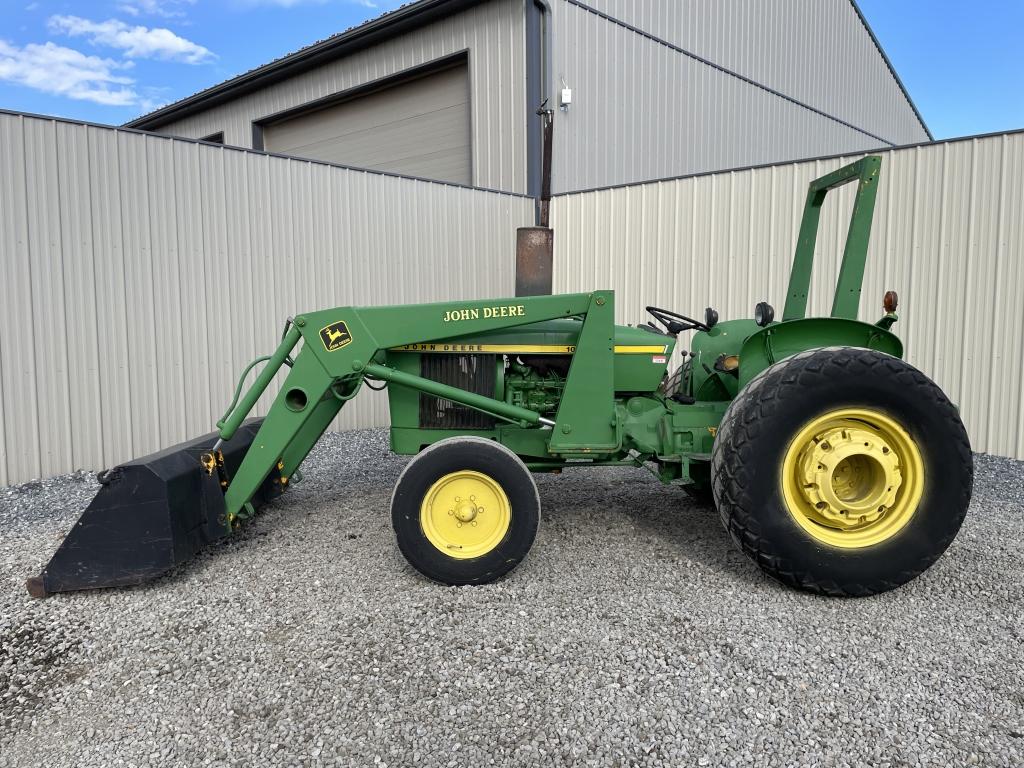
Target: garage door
[{"x": 419, "y": 127}]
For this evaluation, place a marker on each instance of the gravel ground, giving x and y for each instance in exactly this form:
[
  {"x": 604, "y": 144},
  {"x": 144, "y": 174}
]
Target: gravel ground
[{"x": 634, "y": 634}]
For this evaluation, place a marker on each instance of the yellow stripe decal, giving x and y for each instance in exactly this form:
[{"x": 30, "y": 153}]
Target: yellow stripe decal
[
  {"x": 626, "y": 349},
  {"x": 523, "y": 349},
  {"x": 508, "y": 349}
]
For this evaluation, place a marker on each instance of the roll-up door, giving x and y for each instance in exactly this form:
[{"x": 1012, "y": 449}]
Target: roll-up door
[{"x": 418, "y": 127}]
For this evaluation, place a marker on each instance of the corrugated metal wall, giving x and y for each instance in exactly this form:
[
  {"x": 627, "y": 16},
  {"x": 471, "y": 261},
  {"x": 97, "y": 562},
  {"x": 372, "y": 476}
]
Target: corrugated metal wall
[
  {"x": 642, "y": 110},
  {"x": 816, "y": 51},
  {"x": 948, "y": 235},
  {"x": 141, "y": 273},
  {"x": 494, "y": 35}
]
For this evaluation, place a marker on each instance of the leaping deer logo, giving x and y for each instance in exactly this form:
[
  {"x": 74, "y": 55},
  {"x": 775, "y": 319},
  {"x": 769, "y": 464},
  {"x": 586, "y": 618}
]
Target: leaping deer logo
[{"x": 335, "y": 336}]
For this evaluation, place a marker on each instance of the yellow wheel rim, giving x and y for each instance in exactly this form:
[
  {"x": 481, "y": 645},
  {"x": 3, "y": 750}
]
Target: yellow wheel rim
[
  {"x": 465, "y": 514},
  {"x": 852, "y": 478}
]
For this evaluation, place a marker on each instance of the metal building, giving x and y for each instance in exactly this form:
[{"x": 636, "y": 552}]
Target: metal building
[
  {"x": 641, "y": 89},
  {"x": 673, "y": 104},
  {"x": 154, "y": 269}
]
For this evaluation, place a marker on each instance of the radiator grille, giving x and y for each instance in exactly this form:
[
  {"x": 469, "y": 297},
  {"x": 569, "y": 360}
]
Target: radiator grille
[{"x": 473, "y": 373}]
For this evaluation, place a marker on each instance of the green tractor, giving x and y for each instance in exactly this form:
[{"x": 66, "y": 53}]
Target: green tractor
[{"x": 835, "y": 466}]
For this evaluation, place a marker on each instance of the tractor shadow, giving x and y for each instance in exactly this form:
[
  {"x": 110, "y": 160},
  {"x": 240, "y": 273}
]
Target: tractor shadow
[
  {"x": 606, "y": 517},
  {"x": 609, "y": 508}
]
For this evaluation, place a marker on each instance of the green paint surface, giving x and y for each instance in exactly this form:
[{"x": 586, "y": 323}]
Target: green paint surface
[{"x": 571, "y": 387}]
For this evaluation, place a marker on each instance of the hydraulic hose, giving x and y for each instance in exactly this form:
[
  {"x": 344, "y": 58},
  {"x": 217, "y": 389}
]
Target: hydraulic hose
[{"x": 239, "y": 410}]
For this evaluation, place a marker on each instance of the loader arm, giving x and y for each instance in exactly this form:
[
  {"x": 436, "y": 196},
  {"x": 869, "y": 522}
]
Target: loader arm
[{"x": 344, "y": 345}]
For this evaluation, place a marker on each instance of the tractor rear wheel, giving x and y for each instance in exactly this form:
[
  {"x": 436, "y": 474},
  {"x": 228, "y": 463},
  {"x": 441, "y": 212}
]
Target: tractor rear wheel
[
  {"x": 842, "y": 471},
  {"x": 465, "y": 511}
]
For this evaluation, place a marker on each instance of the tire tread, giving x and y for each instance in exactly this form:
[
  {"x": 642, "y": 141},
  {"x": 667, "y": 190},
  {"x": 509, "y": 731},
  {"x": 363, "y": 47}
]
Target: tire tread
[{"x": 738, "y": 432}]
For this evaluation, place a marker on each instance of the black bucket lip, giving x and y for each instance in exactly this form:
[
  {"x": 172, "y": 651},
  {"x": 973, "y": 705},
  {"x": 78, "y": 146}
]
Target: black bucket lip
[
  {"x": 150, "y": 515},
  {"x": 197, "y": 445}
]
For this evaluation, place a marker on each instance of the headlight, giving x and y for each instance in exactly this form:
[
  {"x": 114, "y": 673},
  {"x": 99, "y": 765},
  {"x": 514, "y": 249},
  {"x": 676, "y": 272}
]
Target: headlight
[{"x": 764, "y": 313}]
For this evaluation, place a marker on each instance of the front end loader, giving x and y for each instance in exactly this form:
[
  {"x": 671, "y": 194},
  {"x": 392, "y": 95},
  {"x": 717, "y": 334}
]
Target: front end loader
[{"x": 835, "y": 466}]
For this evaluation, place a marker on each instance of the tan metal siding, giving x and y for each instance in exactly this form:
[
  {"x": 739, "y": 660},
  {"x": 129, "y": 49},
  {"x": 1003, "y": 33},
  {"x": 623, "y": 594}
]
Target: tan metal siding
[
  {"x": 142, "y": 273},
  {"x": 418, "y": 128},
  {"x": 948, "y": 235},
  {"x": 492, "y": 33},
  {"x": 815, "y": 51}
]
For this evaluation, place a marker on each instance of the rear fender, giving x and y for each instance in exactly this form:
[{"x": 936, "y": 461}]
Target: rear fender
[{"x": 781, "y": 340}]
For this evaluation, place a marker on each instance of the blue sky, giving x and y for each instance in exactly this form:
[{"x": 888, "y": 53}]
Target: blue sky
[
  {"x": 111, "y": 60},
  {"x": 962, "y": 61}
]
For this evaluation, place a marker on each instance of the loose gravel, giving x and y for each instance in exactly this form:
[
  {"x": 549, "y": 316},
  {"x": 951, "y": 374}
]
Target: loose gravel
[{"x": 634, "y": 634}]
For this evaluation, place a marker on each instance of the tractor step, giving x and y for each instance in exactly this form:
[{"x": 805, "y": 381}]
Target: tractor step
[{"x": 149, "y": 515}]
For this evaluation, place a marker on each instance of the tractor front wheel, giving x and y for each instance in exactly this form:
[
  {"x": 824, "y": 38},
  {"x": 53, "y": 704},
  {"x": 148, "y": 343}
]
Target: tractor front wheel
[
  {"x": 842, "y": 471},
  {"x": 465, "y": 511}
]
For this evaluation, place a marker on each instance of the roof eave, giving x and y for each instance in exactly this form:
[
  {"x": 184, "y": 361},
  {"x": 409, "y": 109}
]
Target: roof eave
[{"x": 371, "y": 33}]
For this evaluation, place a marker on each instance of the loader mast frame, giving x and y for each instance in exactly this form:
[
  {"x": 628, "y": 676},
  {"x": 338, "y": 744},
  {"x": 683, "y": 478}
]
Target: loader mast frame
[{"x": 342, "y": 346}]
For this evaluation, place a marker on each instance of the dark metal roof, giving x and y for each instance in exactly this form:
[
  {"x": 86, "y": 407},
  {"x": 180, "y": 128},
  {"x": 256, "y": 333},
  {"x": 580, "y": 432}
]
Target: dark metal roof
[{"x": 376, "y": 30}]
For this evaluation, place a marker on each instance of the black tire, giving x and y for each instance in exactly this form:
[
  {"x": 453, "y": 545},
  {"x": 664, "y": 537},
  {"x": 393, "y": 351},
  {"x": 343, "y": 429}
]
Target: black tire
[
  {"x": 759, "y": 427},
  {"x": 454, "y": 455}
]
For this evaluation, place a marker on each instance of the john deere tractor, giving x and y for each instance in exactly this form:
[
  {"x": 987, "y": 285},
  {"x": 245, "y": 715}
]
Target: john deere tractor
[{"x": 835, "y": 466}]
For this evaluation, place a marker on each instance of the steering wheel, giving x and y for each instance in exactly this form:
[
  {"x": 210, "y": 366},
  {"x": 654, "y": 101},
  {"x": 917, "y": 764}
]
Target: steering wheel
[{"x": 671, "y": 321}]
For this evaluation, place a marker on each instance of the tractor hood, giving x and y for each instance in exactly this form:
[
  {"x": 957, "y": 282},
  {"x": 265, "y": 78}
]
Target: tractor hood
[{"x": 641, "y": 356}]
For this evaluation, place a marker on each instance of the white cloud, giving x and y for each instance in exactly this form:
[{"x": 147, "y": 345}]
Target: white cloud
[
  {"x": 167, "y": 9},
  {"x": 293, "y": 3},
  {"x": 66, "y": 72},
  {"x": 284, "y": 3},
  {"x": 137, "y": 42}
]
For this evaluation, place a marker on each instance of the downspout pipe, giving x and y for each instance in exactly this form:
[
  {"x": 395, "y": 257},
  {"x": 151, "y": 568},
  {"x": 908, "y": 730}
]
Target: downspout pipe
[
  {"x": 535, "y": 245},
  {"x": 538, "y": 91}
]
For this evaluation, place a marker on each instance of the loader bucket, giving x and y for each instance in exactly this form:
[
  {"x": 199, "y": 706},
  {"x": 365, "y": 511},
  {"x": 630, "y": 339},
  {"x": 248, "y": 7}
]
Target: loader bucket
[{"x": 150, "y": 515}]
